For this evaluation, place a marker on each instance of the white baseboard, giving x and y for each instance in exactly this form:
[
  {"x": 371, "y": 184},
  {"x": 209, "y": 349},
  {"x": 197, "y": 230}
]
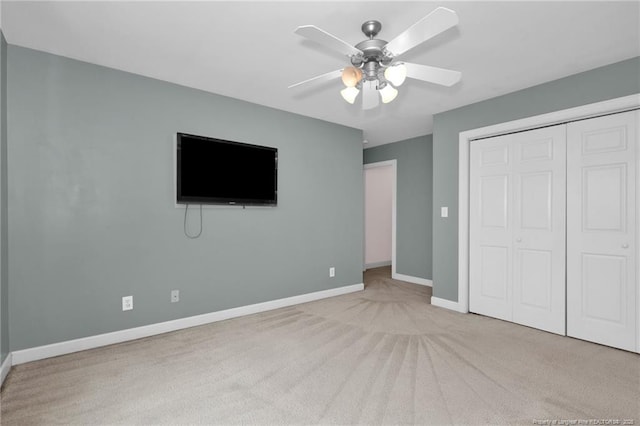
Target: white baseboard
[
  {"x": 447, "y": 304},
  {"x": 377, "y": 264},
  {"x": 410, "y": 279},
  {"x": 76, "y": 345},
  {"x": 5, "y": 368}
]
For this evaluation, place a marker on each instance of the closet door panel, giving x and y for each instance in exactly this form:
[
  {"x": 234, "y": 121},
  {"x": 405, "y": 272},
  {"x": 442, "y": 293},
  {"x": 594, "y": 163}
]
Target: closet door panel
[
  {"x": 539, "y": 228},
  {"x": 490, "y": 231},
  {"x": 602, "y": 251}
]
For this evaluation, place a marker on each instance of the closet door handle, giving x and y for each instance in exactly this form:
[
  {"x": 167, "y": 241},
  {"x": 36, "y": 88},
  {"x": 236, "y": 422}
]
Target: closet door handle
[
  {"x": 625, "y": 245},
  {"x": 518, "y": 240}
]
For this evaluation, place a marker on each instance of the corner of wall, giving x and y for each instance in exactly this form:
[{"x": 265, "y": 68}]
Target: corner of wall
[{"x": 5, "y": 368}]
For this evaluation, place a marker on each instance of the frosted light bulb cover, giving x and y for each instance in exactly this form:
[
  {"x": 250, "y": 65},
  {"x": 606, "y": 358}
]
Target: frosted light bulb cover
[
  {"x": 396, "y": 74},
  {"x": 349, "y": 94},
  {"x": 388, "y": 93},
  {"x": 351, "y": 76}
]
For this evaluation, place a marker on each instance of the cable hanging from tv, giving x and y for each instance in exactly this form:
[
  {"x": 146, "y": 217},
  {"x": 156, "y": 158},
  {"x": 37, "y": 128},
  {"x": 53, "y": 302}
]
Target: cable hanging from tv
[{"x": 193, "y": 237}]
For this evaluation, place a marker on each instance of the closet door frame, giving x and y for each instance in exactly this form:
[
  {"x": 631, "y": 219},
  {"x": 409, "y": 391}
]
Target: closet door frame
[{"x": 558, "y": 117}]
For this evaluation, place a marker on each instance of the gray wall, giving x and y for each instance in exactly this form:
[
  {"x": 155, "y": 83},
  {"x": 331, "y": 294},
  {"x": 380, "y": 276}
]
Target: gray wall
[
  {"x": 414, "y": 202},
  {"x": 4, "y": 277},
  {"x": 91, "y": 203},
  {"x": 612, "y": 81}
]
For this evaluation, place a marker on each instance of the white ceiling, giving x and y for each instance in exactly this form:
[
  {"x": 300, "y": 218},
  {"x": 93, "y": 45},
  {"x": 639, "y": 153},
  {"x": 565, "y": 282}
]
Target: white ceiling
[{"x": 247, "y": 50}]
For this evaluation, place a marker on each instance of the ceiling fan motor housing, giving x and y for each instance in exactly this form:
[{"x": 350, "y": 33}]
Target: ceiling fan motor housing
[
  {"x": 373, "y": 57},
  {"x": 372, "y": 49}
]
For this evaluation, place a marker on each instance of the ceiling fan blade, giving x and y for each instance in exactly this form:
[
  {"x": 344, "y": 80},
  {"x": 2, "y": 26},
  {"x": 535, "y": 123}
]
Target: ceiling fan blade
[
  {"x": 435, "y": 75},
  {"x": 328, "y": 40},
  {"x": 370, "y": 96},
  {"x": 319, "y": 79},
  {"x": 430, "y": 26}
]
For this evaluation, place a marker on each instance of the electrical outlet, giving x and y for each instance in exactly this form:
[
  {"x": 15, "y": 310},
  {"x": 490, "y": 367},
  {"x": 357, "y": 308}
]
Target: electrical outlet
[
  {"x": 127, "y": 303},
  {"x": 332, "y": 272},
  {"x": 175, "y": 296}
]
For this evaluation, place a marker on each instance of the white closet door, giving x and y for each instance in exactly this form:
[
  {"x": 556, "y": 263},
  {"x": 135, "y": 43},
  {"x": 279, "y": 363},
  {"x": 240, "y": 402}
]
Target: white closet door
[
  {"x": 517, "y": 229},
  {"x": 539, "y": 229},
  {"x": 490, "y": 234},
  {"x": 602, "y": 251}
]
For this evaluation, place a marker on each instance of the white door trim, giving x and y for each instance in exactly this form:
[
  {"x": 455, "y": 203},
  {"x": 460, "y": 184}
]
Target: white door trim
[
  {"x": 557, "y": 117},
  {"x": 394, "y": 183}
]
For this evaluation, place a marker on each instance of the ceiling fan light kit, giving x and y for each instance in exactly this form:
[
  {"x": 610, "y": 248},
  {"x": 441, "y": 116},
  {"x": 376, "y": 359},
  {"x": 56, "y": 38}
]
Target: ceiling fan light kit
[{"x": 373, "y": 61}]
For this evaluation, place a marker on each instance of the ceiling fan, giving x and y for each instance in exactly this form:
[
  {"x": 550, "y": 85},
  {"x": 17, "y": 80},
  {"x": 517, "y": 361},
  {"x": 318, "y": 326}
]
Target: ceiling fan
[{"x": 375, "y": 68}]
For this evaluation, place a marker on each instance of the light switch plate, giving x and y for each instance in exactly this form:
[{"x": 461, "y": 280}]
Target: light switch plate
[{"x": 444, "y": 211}]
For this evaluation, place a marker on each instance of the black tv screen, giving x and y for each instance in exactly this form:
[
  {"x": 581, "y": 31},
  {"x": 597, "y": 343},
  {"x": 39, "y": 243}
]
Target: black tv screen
[{"x": 216, "y": 171}]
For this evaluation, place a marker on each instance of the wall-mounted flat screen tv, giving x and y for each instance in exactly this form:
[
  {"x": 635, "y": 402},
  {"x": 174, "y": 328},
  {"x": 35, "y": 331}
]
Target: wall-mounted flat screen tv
[{"x": 216, "y": 171}]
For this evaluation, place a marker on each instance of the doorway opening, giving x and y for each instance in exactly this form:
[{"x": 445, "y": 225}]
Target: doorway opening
[{"x": 380, "y": 180}]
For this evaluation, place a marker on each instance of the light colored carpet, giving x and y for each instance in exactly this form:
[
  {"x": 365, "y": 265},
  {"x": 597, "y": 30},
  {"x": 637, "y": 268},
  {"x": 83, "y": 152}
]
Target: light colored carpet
[{"x": 381, "y": 356}]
